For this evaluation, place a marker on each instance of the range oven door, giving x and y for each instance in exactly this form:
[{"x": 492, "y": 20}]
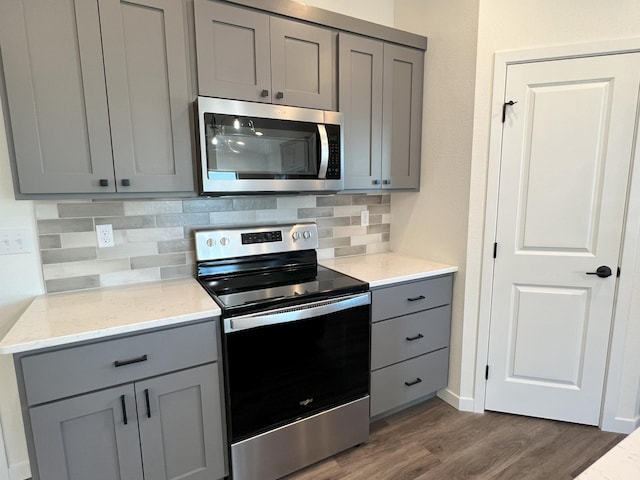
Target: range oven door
[{"x": 294, "y": 362}]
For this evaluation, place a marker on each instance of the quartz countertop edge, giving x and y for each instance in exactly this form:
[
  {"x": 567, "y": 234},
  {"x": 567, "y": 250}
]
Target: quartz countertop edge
[
  {"x": 382, "y": 269},
  {"x": 622, "y": 462},
  {"x": 59, "y": 319}
]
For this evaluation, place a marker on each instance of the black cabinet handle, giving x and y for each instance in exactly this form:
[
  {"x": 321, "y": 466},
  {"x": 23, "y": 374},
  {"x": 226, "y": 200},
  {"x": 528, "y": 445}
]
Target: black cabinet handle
[
  {"x": 264, "y": 93},
  {"x": 280, "y": 95},
  {"x": 602, "y": 271},
  {"x": 415, "y": 299},
  {"x": 122, "y": 363},
  {"x": 417, "y": 337},
  {"x": 125, "y": 420},
  {"x": 386, "y": 182},
  {"x": 375, "y": 182},
  {"x": 146, "y": 398},
  {"x": 104, "y": 182},
  {"x": 415, "y": 382},
  {"x": 126, "y": 182}
]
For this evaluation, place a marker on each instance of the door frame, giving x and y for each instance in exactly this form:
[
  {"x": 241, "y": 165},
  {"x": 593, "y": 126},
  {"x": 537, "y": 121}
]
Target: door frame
[{"x": 622, "y": 326}]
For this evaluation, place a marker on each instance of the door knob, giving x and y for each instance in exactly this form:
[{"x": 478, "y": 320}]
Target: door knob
[{"x": 602, "y": 271}]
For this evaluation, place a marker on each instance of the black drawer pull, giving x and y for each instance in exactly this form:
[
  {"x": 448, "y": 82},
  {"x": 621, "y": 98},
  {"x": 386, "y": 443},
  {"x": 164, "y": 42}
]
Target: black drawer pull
[
  {"x": 415, "y": 382},
  {"x": 146, "y": 397},
  {"x": 415, "y": 299},
  {"x": 417, "y": 337},
  {"x": 122, "y": 363},
  {"x": 124, "y": 410}
]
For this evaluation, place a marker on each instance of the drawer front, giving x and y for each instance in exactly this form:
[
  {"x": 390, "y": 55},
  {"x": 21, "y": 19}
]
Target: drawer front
[
  {"x": 388, "y": 385},
  {"x": 401, "y": 338},
  {"x": 62, "y": 373},
  {"x": 410, "y": 297}
]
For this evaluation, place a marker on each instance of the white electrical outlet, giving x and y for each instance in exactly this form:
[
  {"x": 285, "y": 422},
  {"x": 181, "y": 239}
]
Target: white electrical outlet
[
  {"x": 105, "y": 236},
  {"x": 364, "y": 218}
]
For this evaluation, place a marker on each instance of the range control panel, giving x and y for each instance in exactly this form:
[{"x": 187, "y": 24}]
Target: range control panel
[{"x": 246, "y": 241}]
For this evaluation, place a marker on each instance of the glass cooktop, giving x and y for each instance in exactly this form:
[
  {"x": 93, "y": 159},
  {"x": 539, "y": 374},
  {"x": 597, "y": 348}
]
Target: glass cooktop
[{"x": 272, "y": 289}]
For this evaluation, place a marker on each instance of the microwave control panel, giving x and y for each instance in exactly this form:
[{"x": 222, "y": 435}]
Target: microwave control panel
[{"x": 333, "y": 169}]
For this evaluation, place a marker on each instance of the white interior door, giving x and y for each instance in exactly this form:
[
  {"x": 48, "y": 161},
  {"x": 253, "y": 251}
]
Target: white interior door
[{"x": 567, "y": 146}]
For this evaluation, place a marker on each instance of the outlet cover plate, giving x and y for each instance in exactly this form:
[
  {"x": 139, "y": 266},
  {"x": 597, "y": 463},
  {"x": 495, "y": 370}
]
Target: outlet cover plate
[{"x": 105, "y": 236}]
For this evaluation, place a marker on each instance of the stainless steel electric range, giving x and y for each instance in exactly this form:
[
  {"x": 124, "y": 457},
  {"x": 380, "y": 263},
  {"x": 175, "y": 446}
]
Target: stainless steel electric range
[{"x": 296, "y": 339}]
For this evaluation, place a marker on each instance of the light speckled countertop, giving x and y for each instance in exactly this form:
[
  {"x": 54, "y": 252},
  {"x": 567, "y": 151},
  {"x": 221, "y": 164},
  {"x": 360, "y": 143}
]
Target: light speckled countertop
[
  {"x": 622, "y": 462},
  {"x": 63, "y": 318},
  {"x": 382, "y": 269}
]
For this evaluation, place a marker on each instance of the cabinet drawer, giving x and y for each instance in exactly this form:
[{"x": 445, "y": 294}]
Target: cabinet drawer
[
  {"x": 398, "y": 339},
  {"x": 62, "y": 373},
  {"x": 388, "y": 385},
  {"x": 410, "y": 297}
]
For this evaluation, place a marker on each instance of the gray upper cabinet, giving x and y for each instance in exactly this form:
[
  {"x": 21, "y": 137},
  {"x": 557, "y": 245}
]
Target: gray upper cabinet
[
  {"x": 402, "y": 117},
  {"x": 381, "y": 97},
  {"x": 360, "y": 87},
  {"x": 248, "y": 55},
  {"x": 97, "y": 95}
]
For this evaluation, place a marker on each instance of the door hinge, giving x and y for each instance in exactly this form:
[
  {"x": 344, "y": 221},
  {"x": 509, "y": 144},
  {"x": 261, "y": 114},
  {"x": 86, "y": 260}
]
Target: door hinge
[
  {"x": 495, "y": 250},
  {"x": 618, "y": 273},
  {"x": 486, "y": 373}
]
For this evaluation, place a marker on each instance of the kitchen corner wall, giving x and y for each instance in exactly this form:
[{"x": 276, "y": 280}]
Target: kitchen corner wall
[{"x": 154, "y": 238}]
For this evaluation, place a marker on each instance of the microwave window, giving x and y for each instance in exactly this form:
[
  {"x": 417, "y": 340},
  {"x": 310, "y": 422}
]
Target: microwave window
[{"x": 258, "y": 148}]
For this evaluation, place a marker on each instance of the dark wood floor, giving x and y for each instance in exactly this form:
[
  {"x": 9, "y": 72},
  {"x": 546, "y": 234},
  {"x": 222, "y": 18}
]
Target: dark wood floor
[{"x": 434, "y": 441}]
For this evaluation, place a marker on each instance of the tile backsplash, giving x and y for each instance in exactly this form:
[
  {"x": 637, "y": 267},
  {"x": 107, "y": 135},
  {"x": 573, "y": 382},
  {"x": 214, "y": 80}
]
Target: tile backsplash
[{"x": 154, "y": 238}]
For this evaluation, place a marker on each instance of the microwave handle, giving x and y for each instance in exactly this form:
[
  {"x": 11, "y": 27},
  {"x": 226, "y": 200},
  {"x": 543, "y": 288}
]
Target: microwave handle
[{"x": 324, "y": 151}]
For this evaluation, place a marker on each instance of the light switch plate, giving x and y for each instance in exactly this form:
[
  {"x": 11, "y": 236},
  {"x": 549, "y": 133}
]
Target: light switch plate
[
  {"x": 364, "y": 218},
  {"x": 14, "y": 242}
]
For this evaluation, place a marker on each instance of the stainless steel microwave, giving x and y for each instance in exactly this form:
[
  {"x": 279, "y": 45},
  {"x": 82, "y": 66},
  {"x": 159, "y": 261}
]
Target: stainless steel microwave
[{"x": 248, "y": 147}]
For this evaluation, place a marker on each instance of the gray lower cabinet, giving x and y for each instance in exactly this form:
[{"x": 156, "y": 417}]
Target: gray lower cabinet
[
  {"x": 249, "y": 55},
  {"x": 409, "y": 342},
  {"x": 168, "y": 426},
  {"x": 380, "y": 89},
  {"x": 97, "y": 95}
]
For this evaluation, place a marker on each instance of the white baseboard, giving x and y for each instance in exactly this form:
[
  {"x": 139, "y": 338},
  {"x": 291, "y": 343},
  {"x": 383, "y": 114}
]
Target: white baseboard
[
  {"x": 620, "y": 425},
  {"x": 464, "y": 404},
  {"x": 20, "y": 471}
]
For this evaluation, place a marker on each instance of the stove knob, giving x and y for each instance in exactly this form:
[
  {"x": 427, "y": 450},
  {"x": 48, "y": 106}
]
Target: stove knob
[
  {"x": 306, "y": 234},
  {"x": 210, "y": 242},
  {"x": 295, "y": 236},
  {"x": 224, "y": 241}
]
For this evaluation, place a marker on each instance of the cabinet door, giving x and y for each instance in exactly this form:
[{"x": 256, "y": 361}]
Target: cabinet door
[
  {"x": 233, "y": 52},
  {"x": 145, "y": 61},
  {"x": 360, "y": 64},
  {"x": 87, "y": 437},
  {"x": 54, "y": 78},
  {"x": 301, "y": 64},
  {"x": 180, "y": 417},
  {"x": 402, "y": 117}
]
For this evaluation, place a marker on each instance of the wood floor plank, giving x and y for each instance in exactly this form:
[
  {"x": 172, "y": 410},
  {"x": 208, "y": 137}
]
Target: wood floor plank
[{"x": 434, "y": 441}]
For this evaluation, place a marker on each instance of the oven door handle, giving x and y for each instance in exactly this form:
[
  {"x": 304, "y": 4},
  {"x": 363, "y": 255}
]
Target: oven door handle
[{"x": 296, "y": 312}]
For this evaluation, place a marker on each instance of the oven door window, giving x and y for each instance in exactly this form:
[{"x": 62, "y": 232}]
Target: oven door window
[
  {"x": 259, "y": 148},
  {"x": 279, "y": 373}
]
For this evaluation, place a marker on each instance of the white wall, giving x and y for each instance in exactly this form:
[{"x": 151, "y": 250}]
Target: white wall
[
  {"x": 376, "y": 11},
  {"x": 433, "y": 223},
  {"x": 20, "y": 281},
  {"x": 521, "y": 24}
]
